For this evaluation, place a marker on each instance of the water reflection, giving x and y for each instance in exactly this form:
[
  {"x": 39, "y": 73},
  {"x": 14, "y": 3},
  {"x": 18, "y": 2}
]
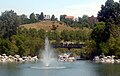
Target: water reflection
[
  {"x": 9, "y": 70},
  {"x": 109, "y": 70},
  {"x": 80, "y": 68}
]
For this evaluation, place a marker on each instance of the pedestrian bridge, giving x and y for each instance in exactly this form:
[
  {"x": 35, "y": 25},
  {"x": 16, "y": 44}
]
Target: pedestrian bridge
[{"x": 69, "y": 46}]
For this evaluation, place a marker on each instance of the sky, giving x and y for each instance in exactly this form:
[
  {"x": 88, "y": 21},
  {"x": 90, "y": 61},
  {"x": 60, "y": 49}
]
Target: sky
[{"x": 75, "y": 8}]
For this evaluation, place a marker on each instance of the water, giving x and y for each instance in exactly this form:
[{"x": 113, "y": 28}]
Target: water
[
  {"x": 48, "y": 54},
  {"x": 77, "y": 68}
]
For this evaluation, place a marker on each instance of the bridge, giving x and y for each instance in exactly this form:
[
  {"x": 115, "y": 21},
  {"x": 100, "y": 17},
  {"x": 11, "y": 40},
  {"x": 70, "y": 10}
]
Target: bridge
[{"x": 69, "y": 46}]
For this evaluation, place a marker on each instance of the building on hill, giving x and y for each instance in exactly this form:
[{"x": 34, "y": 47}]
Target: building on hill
[
  {"x": 47, "y": 17},
  {"x": 69, "y": 17},
  {"x": 92, "y": 19}
]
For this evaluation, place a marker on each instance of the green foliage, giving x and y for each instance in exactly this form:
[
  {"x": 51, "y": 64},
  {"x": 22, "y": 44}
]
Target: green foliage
[
  {"x": 7, "y": 47},
  {"x": 114, "y": 41},
  {"x": 41, "y": 34},
  {"x": 53, "y": 18},
  {"x": 80, "y": 35},
  {"x": 89, "y": 51},
  {"x": 107, "y": 35},
  {"x": 10, "y": 23},
  {"x": 27, "y": 45},
  {"x": 85, "y": 18},
  {"x": 62, "y": 17},
  {"x": 41, "y": 17},
  {"x": 100, "y": 33},
  {"x": 33, "y": 18},
  {"x": 32, "y": 32},
  {"x": 68, "y": 21},
  {"x": 108, "y": 46},
  {"x": 23, "y": 19},
  {"x": 65, "y": 35},
  {"x": 109, "y": 12},
  {"x": 104, "y": 48},
  {"x": 54, "y": 35}
]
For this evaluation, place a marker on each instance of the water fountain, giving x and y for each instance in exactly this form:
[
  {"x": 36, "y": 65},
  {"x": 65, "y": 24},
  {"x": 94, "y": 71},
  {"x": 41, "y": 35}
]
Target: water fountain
[
  {"x": 48, "y": 54},
  {"x": 48, "y": 59}
]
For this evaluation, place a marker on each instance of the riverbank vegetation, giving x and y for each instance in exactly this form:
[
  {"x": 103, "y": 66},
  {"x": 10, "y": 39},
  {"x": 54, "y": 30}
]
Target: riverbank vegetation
[{"x": 101, "y": 37}]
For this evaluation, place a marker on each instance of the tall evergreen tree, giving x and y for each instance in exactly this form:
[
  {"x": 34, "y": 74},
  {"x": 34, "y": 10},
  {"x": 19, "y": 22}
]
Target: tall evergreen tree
[
  {"x": 53, "y": 17},
  {"x": 32, "y": 18},
  {"x": 41, "y": 17}
]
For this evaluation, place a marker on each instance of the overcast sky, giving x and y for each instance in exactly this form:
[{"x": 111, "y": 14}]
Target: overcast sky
[{"x": 57, "y": 7}]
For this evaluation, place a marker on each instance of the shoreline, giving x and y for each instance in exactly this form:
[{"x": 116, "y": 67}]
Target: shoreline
[
  {"x": 106, "y": 59},
  {"x": 16, "y": 58},
  {"x": 27, "y": 59}
]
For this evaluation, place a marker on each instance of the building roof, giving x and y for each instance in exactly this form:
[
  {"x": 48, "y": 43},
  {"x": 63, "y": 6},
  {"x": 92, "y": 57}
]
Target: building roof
[{"x": 70, "y": 17}]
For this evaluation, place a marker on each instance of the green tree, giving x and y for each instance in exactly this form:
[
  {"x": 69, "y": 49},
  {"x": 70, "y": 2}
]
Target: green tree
[
  {"x": 62, "y": 17},
  {"x": 1, "y": 28},
  {"x": 32, "y": 32},
  {"x": 41, "y": 33},
  {"x": 37, "y": 17},
  {"x": 10, "y": 24},
  {"x": 85, "y": 18},
  {"x": 24, "y": 19},
  {"x": 32, "y": 18},
  {"x": 7, "y": 47},
  {"x": 53, "y": 17},
  {"x": 41, "y": 17},
  {"x": 68, "y": 21},
  {"x": 100, "y": 35},
  {"x": 109, "y": 13},
  {"x": 85, "y": 22},
  {"x": 65, "y": 35}
]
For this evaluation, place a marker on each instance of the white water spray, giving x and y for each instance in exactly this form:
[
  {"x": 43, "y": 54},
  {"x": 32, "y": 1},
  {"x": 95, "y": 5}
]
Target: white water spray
[{"x": 47, "y": 55}]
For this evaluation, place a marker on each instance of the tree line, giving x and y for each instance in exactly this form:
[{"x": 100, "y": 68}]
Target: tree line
[
  {"x": 17, "y": 40},
  {"x": 101, "y": 38},
  {"x": 79, "y": 22}
]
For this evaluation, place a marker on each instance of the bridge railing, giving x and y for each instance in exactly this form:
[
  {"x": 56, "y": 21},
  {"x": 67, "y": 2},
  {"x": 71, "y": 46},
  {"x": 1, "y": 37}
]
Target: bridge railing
[{"x": 68, "y": 45}]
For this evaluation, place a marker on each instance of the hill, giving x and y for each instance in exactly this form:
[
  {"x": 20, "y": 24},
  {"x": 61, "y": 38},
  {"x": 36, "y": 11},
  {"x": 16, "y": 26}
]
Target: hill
[{"x": 48, "y": 25}]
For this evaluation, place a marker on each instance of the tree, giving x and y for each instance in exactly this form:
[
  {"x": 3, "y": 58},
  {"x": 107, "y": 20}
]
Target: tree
[
  {"x": 100, "y": 35},
  {"x": 24, "y": 19},
  {"x": 1, "y": 28},
  {"x": 114, "y": 41},
  {"x": 7, "y": 47},
  {"x": 41, "y": 33},
  {"x": 62, "y": 17},
  {"x": 65, "y": 35},
  {"x": 10, "y": 24},
  {"x": 85, "y": 18},
  {"x": 41, "y": 17},
  {"x": 53, "y": 17},
  {"x": 68, "y": 21},
  {"x": 85, "y": 21},
  {"x": 32, "y": 18},
  {"x": 109, "y": 13},
  {"x": 37, "y": 17}
]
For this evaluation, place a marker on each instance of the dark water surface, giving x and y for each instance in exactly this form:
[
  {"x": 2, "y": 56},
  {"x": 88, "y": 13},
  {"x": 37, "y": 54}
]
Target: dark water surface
[{"x": 78, "y": 68}]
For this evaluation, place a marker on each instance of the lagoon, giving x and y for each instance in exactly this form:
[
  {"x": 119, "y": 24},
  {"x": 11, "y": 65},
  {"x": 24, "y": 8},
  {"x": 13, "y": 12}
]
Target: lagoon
[{"x": 77, "y": 68}]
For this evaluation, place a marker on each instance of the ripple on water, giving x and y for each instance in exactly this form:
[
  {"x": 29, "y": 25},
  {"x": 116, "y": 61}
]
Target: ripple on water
[{"x": 48, "y": 68}]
